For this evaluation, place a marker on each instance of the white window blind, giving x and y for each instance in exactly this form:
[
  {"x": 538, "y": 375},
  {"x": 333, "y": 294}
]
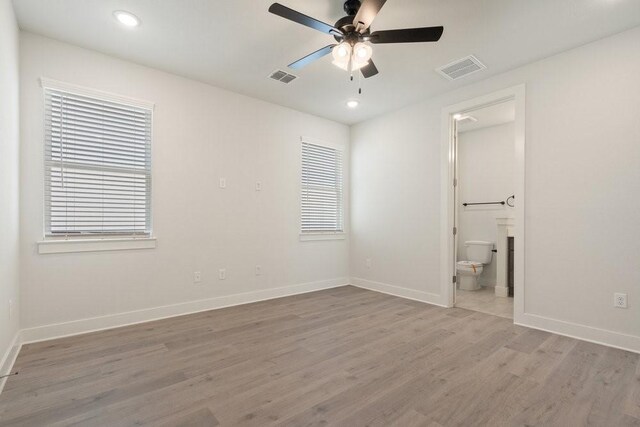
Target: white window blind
[
  {"x": 322, "y": 205},
  {"x": 97, "y": 166}
]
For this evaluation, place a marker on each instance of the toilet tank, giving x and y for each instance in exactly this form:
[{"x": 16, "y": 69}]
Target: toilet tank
[{"x": 479, "y": 251}]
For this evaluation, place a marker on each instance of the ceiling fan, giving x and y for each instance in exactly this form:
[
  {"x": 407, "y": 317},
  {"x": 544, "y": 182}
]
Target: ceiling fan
[{"x": 353, "y": 35}]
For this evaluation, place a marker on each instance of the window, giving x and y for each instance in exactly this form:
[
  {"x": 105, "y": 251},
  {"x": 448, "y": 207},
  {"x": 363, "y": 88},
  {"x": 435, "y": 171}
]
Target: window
[
  {"x": 322, "y": 202},
  {"x": 97, "y": 166}
]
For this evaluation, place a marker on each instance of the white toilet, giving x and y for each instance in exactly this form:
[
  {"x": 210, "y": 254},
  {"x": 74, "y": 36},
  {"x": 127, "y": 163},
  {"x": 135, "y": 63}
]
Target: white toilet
[{"x": 478, "y": 253}]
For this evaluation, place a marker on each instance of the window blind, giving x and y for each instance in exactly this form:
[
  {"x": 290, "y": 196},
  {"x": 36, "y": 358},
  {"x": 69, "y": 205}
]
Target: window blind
[
  {"x": 322, "y": 205},
  {"x": 97, "y": 166}
]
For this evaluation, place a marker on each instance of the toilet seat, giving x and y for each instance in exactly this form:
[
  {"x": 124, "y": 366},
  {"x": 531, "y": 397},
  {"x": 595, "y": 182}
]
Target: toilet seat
[{"x": 470, "y": 266}]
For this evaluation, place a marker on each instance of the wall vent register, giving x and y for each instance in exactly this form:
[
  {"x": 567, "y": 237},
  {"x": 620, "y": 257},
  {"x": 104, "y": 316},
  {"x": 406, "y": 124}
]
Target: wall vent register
[{"x": 97, "y": 166}]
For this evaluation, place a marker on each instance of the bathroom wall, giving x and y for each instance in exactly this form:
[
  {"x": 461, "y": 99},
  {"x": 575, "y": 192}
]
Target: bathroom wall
[{"x": 486, "y": 173}]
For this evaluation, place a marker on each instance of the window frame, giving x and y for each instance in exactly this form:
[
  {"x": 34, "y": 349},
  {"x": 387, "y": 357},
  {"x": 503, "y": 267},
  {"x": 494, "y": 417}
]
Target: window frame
[
  {"x": 323, "y": 235},
  {"x": 52, "y": 243}
]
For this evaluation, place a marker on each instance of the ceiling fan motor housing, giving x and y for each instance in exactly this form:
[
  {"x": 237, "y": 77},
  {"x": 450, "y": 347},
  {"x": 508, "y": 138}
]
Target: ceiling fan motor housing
[
  {"x": 351, "y": 7},
  {"x": 345, "y": 24}
]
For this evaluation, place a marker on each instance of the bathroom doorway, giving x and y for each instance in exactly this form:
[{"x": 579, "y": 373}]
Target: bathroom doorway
[
  {"x": 485, "y": 152},
  {"x": 484, "y": 242}
]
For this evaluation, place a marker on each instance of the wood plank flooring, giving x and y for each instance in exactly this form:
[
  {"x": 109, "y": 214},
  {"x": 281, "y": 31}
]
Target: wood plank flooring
[{"x": 343, "y": 357}]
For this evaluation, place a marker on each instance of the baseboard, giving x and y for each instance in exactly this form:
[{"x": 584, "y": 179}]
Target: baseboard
[
  {"x": 581, "y": 332},
  {"x": 501, "y": 291},
  {"x": 573, "y": 330},
  {"x": 9, "y": 358},
  {"x": 83, "y": 326},
  {"x": 398, "y": 291},
  {"x": 47, "y": 332}
]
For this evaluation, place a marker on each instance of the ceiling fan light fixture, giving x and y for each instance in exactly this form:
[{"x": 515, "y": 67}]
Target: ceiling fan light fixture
[
  {"x": 351, "y": 58},
  {"x": 345, "y": 65},
  {"x": 361, "y": 55},
  {"x": 341, "y": 52},
  {"x": 341, "y": 55},
  {"x": 362, "y": 52}
]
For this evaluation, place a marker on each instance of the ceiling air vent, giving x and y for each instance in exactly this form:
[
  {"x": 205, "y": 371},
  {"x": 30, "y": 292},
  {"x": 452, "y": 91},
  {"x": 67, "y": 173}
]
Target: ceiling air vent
[
  {"x": 461, "y": 67},
  {"x": 283, "y": 77}
]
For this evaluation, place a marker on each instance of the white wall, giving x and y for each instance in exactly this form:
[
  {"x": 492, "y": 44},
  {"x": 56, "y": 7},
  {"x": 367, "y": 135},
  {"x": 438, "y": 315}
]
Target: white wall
[
  {"x": 9, "y": 175},
  {"x": 486, "y": 159},
  {"x": 582, "y": 182},
  {"x": 582, "y": 166},
  {"x": 201, "y": 133}
]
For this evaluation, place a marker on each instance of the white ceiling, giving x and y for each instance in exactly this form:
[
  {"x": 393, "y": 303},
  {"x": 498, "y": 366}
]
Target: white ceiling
[
  {"x": 498, "y": 114},
  {"x": 237, "y": 44}
]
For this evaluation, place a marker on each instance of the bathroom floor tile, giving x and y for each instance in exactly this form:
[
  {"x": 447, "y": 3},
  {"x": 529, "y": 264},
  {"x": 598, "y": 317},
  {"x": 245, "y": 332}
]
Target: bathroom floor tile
[{"x": 484, "y": 300}]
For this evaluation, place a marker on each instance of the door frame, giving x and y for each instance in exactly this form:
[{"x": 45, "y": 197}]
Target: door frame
[{"x": 448, "y": 193}]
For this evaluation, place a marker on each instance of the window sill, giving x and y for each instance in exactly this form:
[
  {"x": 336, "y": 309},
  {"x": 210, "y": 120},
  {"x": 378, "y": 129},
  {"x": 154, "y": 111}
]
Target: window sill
[
  {"x": 322, "y": 236},
  {"x": 95, "y": 245}
]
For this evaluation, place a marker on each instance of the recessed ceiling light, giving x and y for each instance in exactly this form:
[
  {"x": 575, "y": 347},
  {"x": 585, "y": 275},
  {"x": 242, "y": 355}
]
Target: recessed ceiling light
[
  {"x": 126, "y": 18},
  {"x": 352, "y": 104}
]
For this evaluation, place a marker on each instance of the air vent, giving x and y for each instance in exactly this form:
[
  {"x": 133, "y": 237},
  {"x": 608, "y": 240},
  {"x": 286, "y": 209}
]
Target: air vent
[
  {"x": 283, "y": 77},
  {"x": 461, "y": 67}
]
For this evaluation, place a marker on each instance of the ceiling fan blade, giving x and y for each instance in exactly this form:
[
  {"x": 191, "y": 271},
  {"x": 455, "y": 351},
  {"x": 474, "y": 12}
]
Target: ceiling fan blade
[
  {"x": 369, "y": 70},
  {"x": 295, "y": 16},
  {"x": 408, "y": 35},
  {"x": 367, "y": 13},
  {"x": 311, "y": 57}
]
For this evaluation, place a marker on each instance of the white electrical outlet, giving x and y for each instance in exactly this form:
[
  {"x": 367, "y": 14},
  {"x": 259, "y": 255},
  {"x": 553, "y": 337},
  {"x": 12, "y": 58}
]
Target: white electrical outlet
[
  {"x": 197, "y": 277},
  {"x": 367, "y": 262},
  {"x": 620, "y": 300},
  {"x": 222, "y": 274},
  {"x": 258, "y": 270},
  {"x": 258, "y": 186},
  {"x": 223, "y": 183}
]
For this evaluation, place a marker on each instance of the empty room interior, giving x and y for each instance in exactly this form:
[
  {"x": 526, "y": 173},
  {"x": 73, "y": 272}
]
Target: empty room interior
[{"x": 319, "y": 213}]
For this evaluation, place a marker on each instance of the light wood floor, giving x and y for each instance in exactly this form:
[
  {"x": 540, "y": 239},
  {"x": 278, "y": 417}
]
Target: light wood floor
[{"x": 345, "y": 357}]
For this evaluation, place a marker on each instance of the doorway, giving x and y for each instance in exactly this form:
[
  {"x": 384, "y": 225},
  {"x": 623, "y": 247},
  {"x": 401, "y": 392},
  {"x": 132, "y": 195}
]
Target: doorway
[
  {"x": 485, "y": 153},
  {"x": 483, "y": 204}
]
